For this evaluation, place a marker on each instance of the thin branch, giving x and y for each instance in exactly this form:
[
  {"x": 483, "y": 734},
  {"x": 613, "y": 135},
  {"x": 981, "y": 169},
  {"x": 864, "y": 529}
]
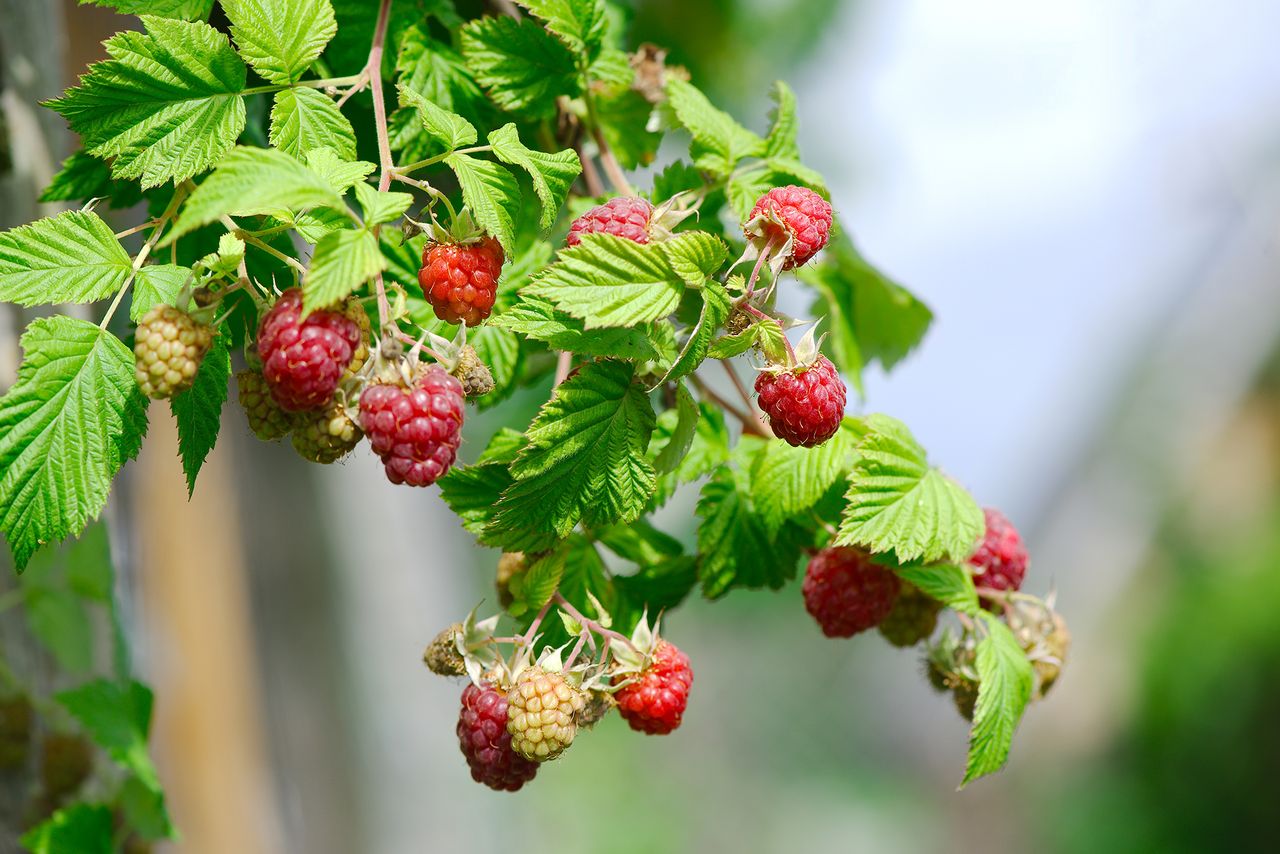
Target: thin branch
[
  {"x": 179, "y": 193},
  {"x": 387, "y": 163},
  {"x": 564, "y": 365},
  {"x": 589, "y": 623},
  {"x": 595, "y": 188},
  {"x": 765, "y": 429},
  {"x": 749, "y": 424}
]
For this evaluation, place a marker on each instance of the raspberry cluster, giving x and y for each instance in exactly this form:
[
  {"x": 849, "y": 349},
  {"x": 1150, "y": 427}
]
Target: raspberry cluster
[
  {"x": 303, "y": 359},
  {"x": 654, "y": 702},
  {"x": 460, "y": 280},
  {"x": 805, "y": 405},
  {"x": 168, "y": 347},
  {"x": 485, "y": 742},
  {"x": 624, "y": 216},
  {"x": 791, "y": 213},
  {"x": 416, "y": 431}
]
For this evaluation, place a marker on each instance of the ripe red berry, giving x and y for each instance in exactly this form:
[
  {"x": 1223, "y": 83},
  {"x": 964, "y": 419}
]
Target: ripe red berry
[
  {"x": 415, "y": 431},
  {"x": 460, "y": 280},
  {"x": 805, "y": 405},
  {"x": 624, "y": 216},
  {"x": 806, "y": 220},
  {"x": 847, "y": 593},
  {"x": 1001, "y": 559},
  {"x": 303, "y": 360},
  {"x": 485, "y": 742},
  {"x": 654, "y": 703}
]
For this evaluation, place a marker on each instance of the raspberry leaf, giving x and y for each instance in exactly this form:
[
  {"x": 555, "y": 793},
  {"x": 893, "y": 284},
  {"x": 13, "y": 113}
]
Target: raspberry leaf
[
  {"x": 472, "y": 492},
  {"x": 1004, "y": 689},
  {"x": 82, "y": 827},
  {"x": 681, "y": 439},
  {"x": 339, "y": 174},
  {"x": 695, "y": 255},
  {"x": 624, "y": 117},
  {"x": 552, "y": 174},
  {"x": 897, "y": 503},
  {"x": 781, "y": 141},
  {"x": 580, "y": 24},
  {"x": 789, "y": 481},
  {"x": 189, "y": 10},
  {"x": 198, "y": 410},
  {"x": 719, "y": 142},
  {"x": 117, "y": 716},
  {"x": 154, "y": 285},
  {"x": 522, "y": 66},
  {"x": 381, "y": 207},
  {"x": 436, "y": 72},
  {"x": 493, "y": 195},
  {"x": 303, "y": 120},
  {"x": 72, "y": 257},
  {"x": 281, "y": 38},
  {"x": 500, "y": 350},
  {"x": 344, "y": 260},
  {"x": 166, "y": 105},
  {"x": 451, "y": 130},
  {"x": 67, "y": 424},
  {"x": 949, "y": 584},
  {"x": 539, "y": 320},
  {"x": 84, "y": 177},
  {"x": 715, "y": 308}
]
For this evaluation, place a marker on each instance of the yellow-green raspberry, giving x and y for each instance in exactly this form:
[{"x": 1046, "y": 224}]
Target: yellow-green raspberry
[
  {"x": 913, "y": 618},
  {"x": 266, "y": 419},
  {"x": 327, "y": 435},
  {"x": 542, "y": 709},
  {"x": 168, "y": 348}
]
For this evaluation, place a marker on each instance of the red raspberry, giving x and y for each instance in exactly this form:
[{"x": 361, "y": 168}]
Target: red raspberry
[
  {"x": 804, "y": 405},
  {"x": 485, "y": 742},
  {"x": 415, "y": 431},
  {"x": 807, "y": 217},
  {"x": 847, "y": 593},
  {"x": 460, "y": 280},
  {"x": 655, "y": 701},
  {"x": 302, "y": 360},
  {"x": 625, "y": 216},
  {"x": 1001, "y": 559}
]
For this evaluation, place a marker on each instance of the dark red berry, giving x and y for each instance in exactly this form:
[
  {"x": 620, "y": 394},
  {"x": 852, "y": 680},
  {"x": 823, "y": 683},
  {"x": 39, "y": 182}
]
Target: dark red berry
[
  {"x": 847, "y": 593},
  {"x": 1001, "y": 559},
  {"x": 806, "y": 219},
  {"x": 302, "y": 360},
  {"x": 625, "y": 216},
  {"x": 460, "y": 280},
  {"x": 654, "y": 703},
  {"x": 804, "y": 405},
  {"x": 416, "y": 431},
  {"x": 485, "y": 742}
]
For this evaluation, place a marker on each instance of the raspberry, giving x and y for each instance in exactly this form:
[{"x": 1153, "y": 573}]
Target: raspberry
[
  {"x": 485, "y": 742},
  {"x": 965, "y": 695},
  {"x": 460, "y": 280},
  {"x": 1000, "y": 561},
  {"x": 475, "y": 376},
  {"x": 326, "y": 435},
  {"x": 805, "y": 405},
  {"x": 360, "y": 355},
  {"x": 847, "y": 593},
  {"x": 541, "y": 714},
  {"x": 167, "y": 349},
  {"x": 1043, "y": 635},
  {"x": 415, "y": 431},
  {"x": 599, "y": 704},
  {"x": 303, "y": 360},
  {"x": 510, "y": 565},
  {"x": 266, "y": 419},
  {"x": 441, "y": 655},
  {"x": 654, "y": 703},
  {"x": 806, "y": 221},
  {"x": 913, "y": 618},
  {"x": 625, "y": 216}
]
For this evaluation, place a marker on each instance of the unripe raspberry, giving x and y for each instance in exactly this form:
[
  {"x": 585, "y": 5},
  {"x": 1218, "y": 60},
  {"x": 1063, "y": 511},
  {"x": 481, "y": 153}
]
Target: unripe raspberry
[
  {"x": 168, "y": 348},
  {"x": 655, "y": 701},
  {"x": 913, "y": 618},
  {"x": 794, "y": 213},
  {"x": 460, "y": 280},
  {"x": 416, "y": 432},
  {"x": 598, "y": 705},
  {"x": 442, "y": 658},
  {"x": 364, "y": 329},
  {"x": 541, "y": 714},
  {"x": 266, "y": 419},
  {"x": 965, "y": 695},
  {"x": 624, "y": 216},
  {"x": 1000, "y": 561},
  {"x": 510, "y": 565},
  {"x": 325, "y": 435},
  {"x": 303, "y": 360},
  {"x": 475, "y": 376},
  {"x": 805, "y": 405},
  {"x": 485, "y": 742},
  {"x": 847, "y": 593}
]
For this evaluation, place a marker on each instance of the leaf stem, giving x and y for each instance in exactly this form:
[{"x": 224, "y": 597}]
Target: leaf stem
[
  {"x": 527, "y": 637},
  {"x": 564, "y": 365},
  {"x": 179, "y": 193},
  {"x": 431, "y": 161},
  {"x": 589, "y": 623},
  {"x": 749, "y": 424},
  {"x": 610, "y": 163},
  {"x": 765, "y": 429},
  {"x": 324, "y": 83},
  {"x": 374, "y": 70}
]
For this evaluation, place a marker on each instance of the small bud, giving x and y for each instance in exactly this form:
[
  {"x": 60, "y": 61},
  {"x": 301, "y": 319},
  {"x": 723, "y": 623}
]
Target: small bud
[
  {"x": 441, "y": 655},
  {"x": 475, "y": 376}
]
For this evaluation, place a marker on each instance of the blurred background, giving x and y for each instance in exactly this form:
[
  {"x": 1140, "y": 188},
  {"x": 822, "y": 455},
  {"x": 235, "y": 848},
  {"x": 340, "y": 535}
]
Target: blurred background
[{"x": 1086, "y": 195}]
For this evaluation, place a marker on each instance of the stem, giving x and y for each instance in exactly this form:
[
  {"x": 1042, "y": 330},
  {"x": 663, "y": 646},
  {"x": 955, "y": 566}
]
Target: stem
[
  {"x": 527, "y": 637},
  {"x": 564, "y": 364},
  {"x": 611, "y": 168},
  {"x": 252, "y": 239},
  {"x": 595, "y": 188},
  {"x": 374, "y": 69},
  {"x": 120, "y": 235},
  {"x": 755, "y": 271},
  {"x": 589, "y": 623},
  {"x": 749, "y": 424},
  {"x": 179, "y": 193},
  {"x": 577, "y": 648},
  {"x": 325, "y": 83},
  {"x": 765, "y": 429},
  {"x": 431, "y": 161}
]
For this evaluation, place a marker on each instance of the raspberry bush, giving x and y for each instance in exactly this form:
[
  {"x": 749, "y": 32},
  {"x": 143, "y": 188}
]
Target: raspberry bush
[{"x": 500, "y": 242}]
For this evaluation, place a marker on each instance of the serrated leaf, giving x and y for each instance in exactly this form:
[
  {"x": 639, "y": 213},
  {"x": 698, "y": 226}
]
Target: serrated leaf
[
  {"x": 281, "y": 38},
  {"x": 660, "y": 586},
  {"x": 72, "y": 257},
  {"x": 522, "y": 67},
  {"x": 84, "y": 177},
  {"x": 343, "y": 261},
  {"x": 728, "y": 346},
  {"x": 198, "y": 410},
  {"x": 156, "y": 284},
  {"x": 640, "y": 542},
  {"x": 949, "y": 584},
  {"x": 781, "y": 141},
  {"x": 792, "y": 168},
  {"x": 381, "y": 207},
  {"x": 492, "y": 193},
  {"x": 735, "y": 547},
  {"x": 686, "y": 427},
  {"x": 694, "y": 255},
  {"x": 538, "y": 583},
  {"x": 719, "y": 142},
  {"x": 788, "y": 481},
  {"x": 253, "y": 181},
  {"x": 67, "y": 424},
  {"x": 77, "y": 829},
  {"x": 57, "y": 618},
  {"x": 585, "y": 460},
  {"x": 435, "y": 71},
  {"x": 303, "y": 120},
  {"x": 715, "y": 308},
  {"x": 745, "y": 188},
  {"x": 117, "y": 717},
  {"x": 772, "y": 339},
  {"x": 447, "y": 128},
  {"x": 897, "y": 503},
  {"x": 472, "y": 492},
  {"x": 166, "y": 105},
  {"x": 538, "y": 319},
  {"x": 580, "y": 24},
  {"x": 1004, "y": 689},
  {"x": 624, "y": 120},
  {"x": 552, "y": 174},
  {"x": 500, "y": 350},
  {"x": 190, "y": 10}
]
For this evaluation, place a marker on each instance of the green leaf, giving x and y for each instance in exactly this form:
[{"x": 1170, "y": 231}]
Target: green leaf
[
  {"x": 1004, "y": 689},
  {"x": 190, "y": 10},
  {"x": 339, "y": 174},
  {"x": 166, "y": 105},
  {"x": 492, "y": 193},
  {"x": 552, "y": 174},
  {"x": 719, "y": 142},
  {"x": 500, "y": 350},
  {"x": 585, "y": 461},
  {"x": 694, "y": 255},
  {"x": 728, "y": 346},
  {"x": 789, "y": 167},
  {"x": 156, "y": 284},
  {"x": 71, "y": 257},
  {"x": 253, "y": 181},
  {"x": 77, "y": 829},
  {"x": 522, "y": 66},
  {"x": 715, "y": 308},
  {"x": 57, "y": 618},
  {"x": 381, "y": 207},
  {"x": 772, "y": 339},
  {"x": 67, "y": 424},
  {"x": 640, "y": 542},
  {"x": 84, "y": 177},
  {"x": 788, "y": 481},
  {"x": 281, "y": 38},
  {"x": 538, "y": 319},
  {"x": 198, "y": 410},
  {"x": 949, "y": 584},
  {"x": 436, "y": 72},
  {"x": 624, "y": 120},
  {"x": 897, "y": 503},
  {"x": 660, "y": 586},
  {"x": 117, "y": 717},
  {"x": 303, "y": 120},
  {"x": 449, "y": 129},
  {"x": 343, "y": 261},
  {"x": 745, "y": 188},
  {"x": 538, "y": 583},
  {"x": 472, "y": 492},
  {"x": 580, "y": 24},
  {"x": 686, "y": 427},
  {"x": 781, "y": 141}
]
